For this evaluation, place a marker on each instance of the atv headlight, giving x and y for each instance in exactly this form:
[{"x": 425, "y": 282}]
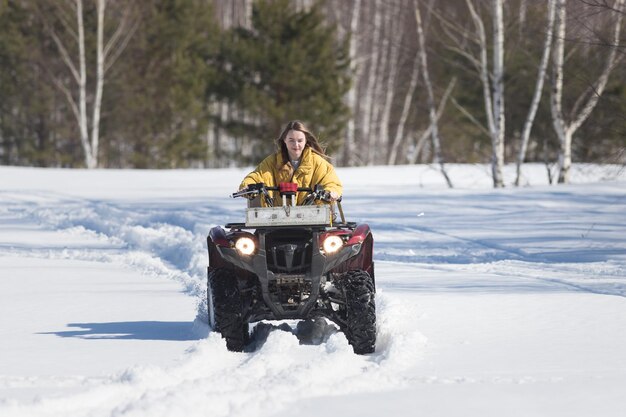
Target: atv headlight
[
  {"x": 245, "y": 245},
  {"x": 332, "y": 244}
]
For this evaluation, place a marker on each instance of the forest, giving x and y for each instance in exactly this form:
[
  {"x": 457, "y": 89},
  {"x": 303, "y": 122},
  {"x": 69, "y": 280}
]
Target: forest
[{"x": 210, "y": 83}]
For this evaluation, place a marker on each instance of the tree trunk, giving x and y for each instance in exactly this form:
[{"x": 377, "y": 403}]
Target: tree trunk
[
  {"x": 369, "y": 101},
  {"x": 90, "y": 162},
  {"x": 395, "y": 30},
  {"x": 565, "y": 130},
  {"x": 95, "y": 132},
  {"x": 432, "y": 111},
  {"x": 408, "y": 101},
  {"x": 494, "y": 105},
  {"x": 565, "y": 156},
  {"x": 556, "y": 96},
  {"x": 543, "y": 66},
  {"x": 351, "y": 97},
  {"x": 498, "y": 96}
]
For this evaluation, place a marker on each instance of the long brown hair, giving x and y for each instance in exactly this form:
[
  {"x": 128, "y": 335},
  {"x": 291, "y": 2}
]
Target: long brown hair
[{"x": 311, "y": 140}]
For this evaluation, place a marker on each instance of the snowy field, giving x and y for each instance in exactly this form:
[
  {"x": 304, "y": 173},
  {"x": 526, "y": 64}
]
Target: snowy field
[{"x": 490, "y": 302}]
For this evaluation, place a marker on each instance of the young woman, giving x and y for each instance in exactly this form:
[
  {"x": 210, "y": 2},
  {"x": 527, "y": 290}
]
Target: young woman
[{"x": 299, "y": 159}]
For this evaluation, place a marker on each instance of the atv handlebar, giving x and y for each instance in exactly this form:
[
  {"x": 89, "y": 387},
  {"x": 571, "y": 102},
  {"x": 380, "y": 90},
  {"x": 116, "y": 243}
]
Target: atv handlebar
[{"x": 315, "y": 193}]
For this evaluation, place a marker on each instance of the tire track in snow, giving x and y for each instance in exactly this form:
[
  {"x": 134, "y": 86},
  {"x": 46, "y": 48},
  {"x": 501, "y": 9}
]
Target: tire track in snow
[
  {"x": 278, "y": 372},
  {"x": 611, "y": 282},
  {"x": 526, "y": 265},
  {"x": 209, "y": 380},
  {"x": 425, "y": 245},
  {"x": 154, "y": 240},
  {"x": 451, "y": 249}
]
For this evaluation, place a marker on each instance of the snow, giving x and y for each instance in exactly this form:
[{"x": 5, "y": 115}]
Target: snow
[{"x": 490, "y": 302}]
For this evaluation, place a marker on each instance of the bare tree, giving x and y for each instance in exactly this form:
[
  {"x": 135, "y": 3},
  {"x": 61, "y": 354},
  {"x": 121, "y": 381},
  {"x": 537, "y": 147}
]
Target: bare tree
[
  {"x": 408, "y": 101},
  {"x": 389, "y": 86},
  {"x": 493, "y": 84},
  {"x": 432, "y": 111},
  {"x": 473, "y": 46},
  {"x": 497, "y": 135},
  {"x": 107, "y": 53},
  {"x": 380, "y": 58},
  {"x": 534, "y": 105},
  {"x": 351, "y": 97},
  {"x": 565, "y": 129},
  {"x": 369, "y": 107}
]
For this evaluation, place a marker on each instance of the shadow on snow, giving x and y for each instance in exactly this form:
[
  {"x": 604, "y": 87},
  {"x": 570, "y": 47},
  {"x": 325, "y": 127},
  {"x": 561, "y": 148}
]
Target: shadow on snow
[{"x": 131, "y": 330}]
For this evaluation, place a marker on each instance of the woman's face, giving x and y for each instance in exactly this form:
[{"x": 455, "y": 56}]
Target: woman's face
[{"x": 295, "y": 141}]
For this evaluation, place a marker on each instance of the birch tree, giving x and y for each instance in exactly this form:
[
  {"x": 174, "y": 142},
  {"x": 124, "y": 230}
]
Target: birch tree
[
  {"x": 432, "y": 111},
  {"x": 420, "y": 65},
  {"x": 493, "y": 84},
  {"x": 107, "y": 52},
  {"x": 491, "y": 79},
  {"x": 587, "y": 101},
  {"x": 379, "y": 151},
  {"x": 383, "y": 78},
  {"x": 369, "y": 107},
  {"x": 498, "y": 96},
  {"x": 409, "y": 96},
  {"x": 351, "y": 97},
  {"x": 534, "y": 105},
  {"x": 406, "y": 107}
]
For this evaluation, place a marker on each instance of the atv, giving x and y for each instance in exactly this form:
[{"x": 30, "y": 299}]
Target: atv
[{"x": 292, "y": 262}]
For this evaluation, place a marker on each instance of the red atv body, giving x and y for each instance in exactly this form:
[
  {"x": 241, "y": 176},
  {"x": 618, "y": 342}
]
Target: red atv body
[{"x": 292, "y": 262}]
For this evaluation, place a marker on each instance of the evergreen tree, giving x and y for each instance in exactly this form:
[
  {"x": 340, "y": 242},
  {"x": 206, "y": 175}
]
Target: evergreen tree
[
  {"x": 10, "y": 42},
  {"x": 288, "y": 65},
  {"x": 159, "y": 117},
  {"x": 30, "y": 126}
]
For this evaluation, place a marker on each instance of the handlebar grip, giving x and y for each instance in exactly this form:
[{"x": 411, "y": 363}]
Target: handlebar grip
[{"x": 244, "y": 193}]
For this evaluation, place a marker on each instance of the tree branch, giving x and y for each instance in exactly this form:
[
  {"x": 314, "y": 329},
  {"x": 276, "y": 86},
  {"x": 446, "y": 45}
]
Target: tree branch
[
  {"x": 470, "y": 117},
  {"x": 122, "y": 46},
  {"x": 600, "y": 85},
  {"x": 65, "y": 56},
  {"x": 68, "y": 95}
]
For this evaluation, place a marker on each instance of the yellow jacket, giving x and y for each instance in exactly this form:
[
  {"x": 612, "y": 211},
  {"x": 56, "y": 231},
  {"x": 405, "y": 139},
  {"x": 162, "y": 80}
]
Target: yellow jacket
[{"x": 313, "y": 170}]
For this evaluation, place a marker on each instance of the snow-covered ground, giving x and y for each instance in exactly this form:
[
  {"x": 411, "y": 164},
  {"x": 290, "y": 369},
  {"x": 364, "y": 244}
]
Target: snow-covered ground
[{"x": 490, "y": 302}]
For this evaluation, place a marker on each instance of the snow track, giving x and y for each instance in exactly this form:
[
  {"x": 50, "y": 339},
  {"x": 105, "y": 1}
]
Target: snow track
[
  {"x": 211, "y": 380},
  {"x": 498, "y": 289}
]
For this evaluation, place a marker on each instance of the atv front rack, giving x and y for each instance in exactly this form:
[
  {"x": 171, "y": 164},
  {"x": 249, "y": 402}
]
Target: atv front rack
[
  {"x": 288, "y": 216},
  {"x": 242, "y": 226},
  {"x": 308, "y": 214}
]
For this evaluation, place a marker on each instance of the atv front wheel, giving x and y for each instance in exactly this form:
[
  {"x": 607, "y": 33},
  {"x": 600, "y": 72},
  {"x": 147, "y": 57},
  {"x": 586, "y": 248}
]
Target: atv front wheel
[
  {"x": 225, "y": 309},
  {"x": 358, "y": 288}
]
